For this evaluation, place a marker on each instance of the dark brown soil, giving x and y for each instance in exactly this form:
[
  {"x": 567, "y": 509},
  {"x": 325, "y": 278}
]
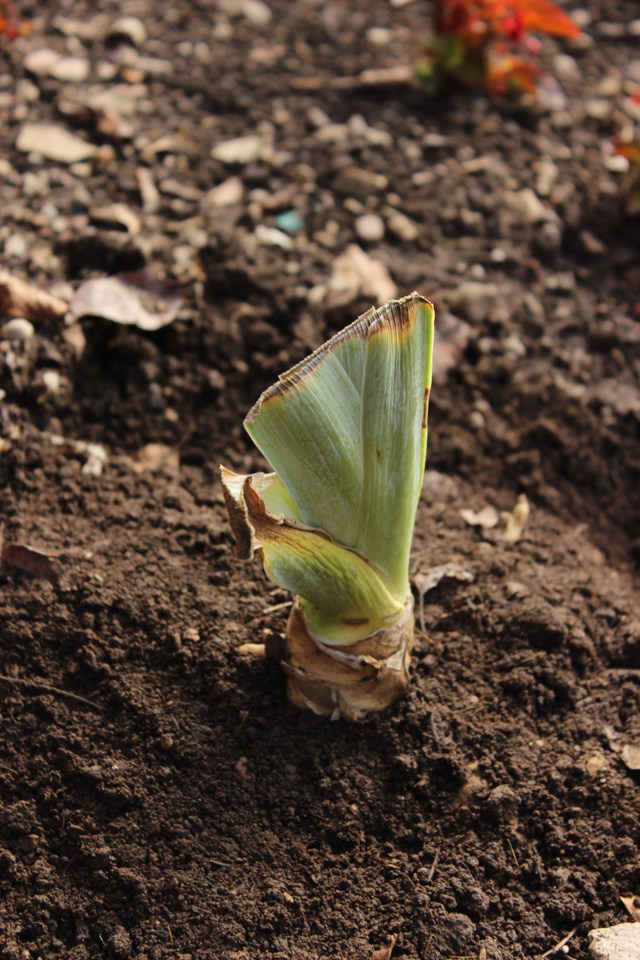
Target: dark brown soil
[{"x": 191, "y": 812}]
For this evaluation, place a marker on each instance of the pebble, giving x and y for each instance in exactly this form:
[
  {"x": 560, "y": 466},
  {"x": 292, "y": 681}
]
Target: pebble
[
  {"x": 621, "y": 942},
  {"x": 598, "y": 108},
  {"x": 379, "y": 36},
  {"x": 290, "y": 221},
  {"x": 615, "y": 163},
  {"x": 354, "y": 181},
  {"x": 549, "y": 236},
  {"x": 227, "y": 194},
  {"x": 148, "y": 190},
  {"x": 547, "y": 175},
  {"x": 130, "y": 27},
  {"x": 400, "y": 225},
  {"x": 612, "y": 29},
  {"x": 633, "y": 28},
  {"x": 257, "y": 12},
  {"x": 52, "y": 381},
  {"x": 566, "y": 67},
  {"x": 370, "y": 227},
  {"x": 17, "y": 329},
  {"x": 473, "y": 300},
  {"x": 16, "y": 246},
  {"x": 176, "y": 188},
  {"x": 54, "y": 142},
  {"x": 272, "y": 237},
  {"x": 119, "y": 215},
  {"x": 529, "y": 206},
  {"x": 609, "y": 86},
  {"x": 42, "y": 61},
  {"x": 239, "y": 150},
  {"x": 70, "y": 69}
]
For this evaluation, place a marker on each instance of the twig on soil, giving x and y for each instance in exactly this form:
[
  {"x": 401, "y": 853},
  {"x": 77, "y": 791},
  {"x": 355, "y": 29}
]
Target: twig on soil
[
  {"x": 434, "y": 732},
  {"x": 433, "y": 866},
  {"x": 513, "y": 853},
  {"x": 41, "y": 686},
  {"x": 278, "y": 606},
  {"x": 559, "y": 946}
]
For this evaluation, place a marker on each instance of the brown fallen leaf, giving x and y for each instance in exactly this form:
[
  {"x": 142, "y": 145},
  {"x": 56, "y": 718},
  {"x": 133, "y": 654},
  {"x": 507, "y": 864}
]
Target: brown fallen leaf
[
  {"x": 20, "y": 299},
  {"x": 633, "y": 906},
  {"x": 140, "y": 299},
  {"x": 385, "y": 952},
  {"x": 36, "y": 564},
  {"x": 156, "y": 456}
]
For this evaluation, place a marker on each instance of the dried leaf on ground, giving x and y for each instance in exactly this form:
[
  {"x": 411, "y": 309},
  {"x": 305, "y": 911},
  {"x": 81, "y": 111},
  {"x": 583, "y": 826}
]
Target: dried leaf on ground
[
  {"x": 516, "y": 521},
  {"x": 385, "y": 952},
  {"x": 142, "y": 299},
  {"x": 36, "y": 564},
  {"x": 424, "y": 582},
  {"x": 354, "y": 273},
  {"x": 20, "y": 299},
  {"x": 633, "y": 906},
  {"x": 156, "y": 456},
  {"x": 487, "y": 518},
  {"x": 431, "y": 578}
]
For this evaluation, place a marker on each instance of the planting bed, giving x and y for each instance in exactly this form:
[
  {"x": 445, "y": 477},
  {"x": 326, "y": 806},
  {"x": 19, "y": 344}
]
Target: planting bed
[{"x": 187, "y": 810}]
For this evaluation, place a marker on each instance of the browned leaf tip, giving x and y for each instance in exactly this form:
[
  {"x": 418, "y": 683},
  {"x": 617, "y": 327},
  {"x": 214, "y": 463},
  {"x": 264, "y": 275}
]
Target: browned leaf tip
[
  {"x": 385, "y": 952},
  {"x": 46, "y": 566}
]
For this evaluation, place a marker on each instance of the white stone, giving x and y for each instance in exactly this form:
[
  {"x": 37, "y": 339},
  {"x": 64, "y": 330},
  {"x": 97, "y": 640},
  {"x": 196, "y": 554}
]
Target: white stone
[
  {"x": 16, "y": 246},
  {"x": 272, "y": 237},
  {"x": 621, "y": 942},
  {"x": 18, "y": 329},
  {"x": 239, "y": 150},
  {"x": 473, "y": 300},
  {"x": 42, "y": 61},
  {"x": 370, "y": 227},
  {"x": 400, "y": 225},
  {"x": 227, "y": 194},
  {"x": 130, "y": 27},
  {"x": 615, "y": 163},
  {"x": 54, "y": 142},
  {"x": 70, "y": 70},
  {"x": 566, "y": 67},
  {"x": 379, "y": 36},
  {"x": 257, "y": 12}
]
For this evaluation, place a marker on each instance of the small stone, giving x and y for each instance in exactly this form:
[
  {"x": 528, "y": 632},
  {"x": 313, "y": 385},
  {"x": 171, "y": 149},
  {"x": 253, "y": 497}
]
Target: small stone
[
  {"x": 239, "y": 150},
  {"x": 70, "y": 69},
  {"x": 592, "y": 244},
  {"x": 549, "y": 236},
  {"x": 257, "y": 12},
  {"x": 609, "y": 86},
  {"x": 356, "y": 182},
  {"x": 166, "y": 741},
  {"x": 16, "y": 246},
  {"x": 566, "y": 67},
  {"x": 633, "y": 28},
  {"x": 370, "y": 227},
  {"x": 621, "y": 942},
  {"x": 547, "y": 176},
  {"x": 473, "y": 301},
  {"x": 612, "y": 29},
  {"x": 290, "y": 221},
  {"x": 52, "y": 381},
  {"x": 242, "y": 767},
  {"x": 515, "y": 590},
  {"x": 54, "y": 142},
  {"x": 529, "y": 206},
  {"x": 379, "y": 36},
  {"x": 41, "y": 62},
  {"x": 148, "y": 190},
  {"x": 615, "y": 163},
  {"x": 226, "y": 194},
  {"x": 17, "y": 329},
  {"x": 400, "y": 225},
  {"x": 272, "y": 237},
  {"x": 130, "y": 27},
  {"x": 176, "y": 188},
  {"x": 598, "y": 108},
  {"x": 118, "y": 215}
]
